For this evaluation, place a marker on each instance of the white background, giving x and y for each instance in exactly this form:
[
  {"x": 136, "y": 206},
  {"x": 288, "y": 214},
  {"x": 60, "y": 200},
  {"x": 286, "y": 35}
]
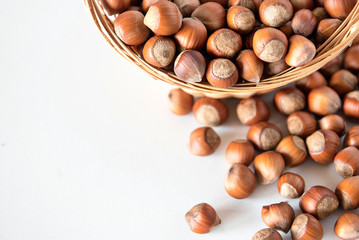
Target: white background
[{"x": 89, "y": 149}]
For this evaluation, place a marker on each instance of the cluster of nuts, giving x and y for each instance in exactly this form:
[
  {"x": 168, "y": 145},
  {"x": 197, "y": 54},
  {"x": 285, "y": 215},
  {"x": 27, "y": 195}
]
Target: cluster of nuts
[
  {"x": 226, "y": 42},
  {"x": 316, "y": 130}
]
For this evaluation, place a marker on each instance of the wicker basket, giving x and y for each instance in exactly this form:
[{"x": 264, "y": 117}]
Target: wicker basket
[{"x": 335, "y": 45}]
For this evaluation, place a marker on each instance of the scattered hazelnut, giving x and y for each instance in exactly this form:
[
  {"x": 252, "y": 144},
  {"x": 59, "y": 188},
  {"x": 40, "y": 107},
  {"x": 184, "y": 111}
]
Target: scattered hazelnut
[
  {"x": 210, "y": 111},
  {"x": 333, "y": 122},
  {"x": 115, "y": 6},
  {"x": 275, "y": 13},
  {"x": 302, "y": 4},
  {"x": 352, "y": 137},
  {"x": 264, "y": 135},
  {"x": 186, "y": 7},
  {"x": 252, "y": 110},
  {"x": 331, "y": 67},
  {"x": 240, "y": 182},
  {"x": 275, "y": 67},
  {"x": 278, "y": 216},
  {"x": 159, "y": 51},
  {"x": 343, "y": 82},
  {"x": 289, "y": 100},
  {"x": 250, "y": 67},
  {"x": 346, "y": 162},
  {"x": 222, "y": 73},
  {"x": 267, "y": 234},
  {"x": 339, "y": 8},
  {"x": 180, "y": 102},
  {"x": 310, "y": 82},
  {"x": 323, "y": 101},
  {"x": 351, "y": 105},
  {"x": 306, "y": 227},
  {"x": 240, "y": 19},
  {"x": 224, "y": 43},
  {"x": 192, "y": 35},
  {"x": 268, "y": 166},
  {"x": 323, "y": 145},
  {"x": 326, "y": 28},
  {"x": 351, "y": 61},
  {"x": 347, "y": 226},
  {"x": 203, "y": 141},
  {"x": 320, "y": 14},
  {"x": 300, "y": 52},
  {"x": 293, "y": 150},
  {"x": 319, "y": 201},
  {"x": 190, "y": 66},
  {"x": 301, "y": 123},
  {"x": 348, "y": 193},
  {"x": 211, "y": 14},
  {"x": 240, "y": 151},
  {"x": 202, "y": 218},
  {"x": 291, "y": 185},
  {"x": 304, "y": 22}
]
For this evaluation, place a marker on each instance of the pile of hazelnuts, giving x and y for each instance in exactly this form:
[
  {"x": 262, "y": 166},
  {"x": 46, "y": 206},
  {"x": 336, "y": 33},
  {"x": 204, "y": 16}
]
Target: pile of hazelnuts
[
  {"x": 316, "y": 129},
  {"x": 225, "y": 42}
]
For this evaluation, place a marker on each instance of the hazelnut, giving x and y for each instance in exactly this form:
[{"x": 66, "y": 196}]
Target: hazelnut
[
  {"x": 319, "y": 201},
  {"x": 240, "y": 182},
  {"x": 300, "y": 52},
  {"x": 304, "y": 22},
  {"x": 267, "y": 234},
  {"x": 264, "y": 135},
  {"x": 326, "y": 28},
  {"x": 275, "y": 67},
  {"x": 186, "y": 7},
  {"x": 115, "y": 6},
  {"x": 331, "y": 67},
  {"x": 190, "y": 66},
  {"x": 192, "y": 35},
  {"x": 347, "y": 226},
  {"x": 224, "y": 43},
  {"x": 275, "y": 13},
  {"x": 291, "y": 185},
  {"x": 180, "y": 102},
  {"x": 287, "y": 29},
  {"x": 352, "y": 137},
  {"x": 320, "y": 14},
  {"x": 293, "y": 150},
  {"x": 348, "y": 193},
  {"x": 278, "y": 216},
  {"x": 212, "y": 15},
  {"x": 240, "y": 19},
  {"x": 130, "y": 29},
  {"x": 343, "y": 82},
  {"x": 250, "y": 66},
  {"x": 224, "y": 3},
  {"x": 163, "y": 18},
  {"x": 333, "y": 122},
  {"x": 268, "y": 166},
  {"x": 159, "y": 51},
  {"x": 301, "y": 123},
  {"x": 351, "y": 105},
  {"x": 202, "y": 218},
  {"x": 222, "y": 73},
  {"x": 310, "y": 82},
  {"x": 339, "y": 8},
  {"x": 240, "y": 151},
  {"x": 252, "y": 110},
  {"x": 270, "y": 44},
  {"x": 346, "y": 162},
  {"x": 306, "y": 227},
  {"x": 302, "y": 4},
  {"x": 203, "y": 141},
  {"x": 351, "y": 61},
  {"x": 323, "y": 101},
  {"x": 210, "y": 111},
  {"x": 323, "y": 145},
  {"x": 289, "y": 100},
  {"x": 253, "y": 5}
]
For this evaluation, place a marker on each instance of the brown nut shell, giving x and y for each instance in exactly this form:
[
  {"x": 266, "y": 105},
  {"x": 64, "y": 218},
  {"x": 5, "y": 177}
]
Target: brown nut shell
[
  {"x": 348, "y": 193},
  {"x": 335, "y": 123},
  {"x": 306, "y": 227},
  {"x": 339, "y": 8},
  {"x": 310, "y": 82},
  {"x": 187, "y": 7},
  {"x": 302, "y": 4},
  {"x": 159, "y": 51},
  {"x": 323, "y": 101},
  {"x": 264, "y": 135},
  {"x": 253, "y": 5},
  {"x": 252, "y": 110},
  {"x": 347, "y": 226},
  {"x": 203, "y": 141},
  {"x": 180, "y": 102},
  {"x": 240, "y": 19},
  {"x": 301, "y": 123},
  {"x": 326, "y": 28},
  {"x": 192, "y": 35},
  {"x": 190, "y": 66},
  {"x": 291, "y": 185},
  {"x": 275, "y": 13},
  {"x": 212, "y": 15},
  {"x": 222, "y": 73},
  {"x": 320, "y": 13},
  {"x": 240, "y": 151},
  {"x": 346, "y": 162},
  {"x": 275, "y": 67},
  {"x": 202, "y": 218},
  {"x": 351, "y": 105},
  {"x": 343, "y": 82},
  {"x": 224, "y": 43},
  {"x": 331, "y": 67},
  {"x": 352, "y": 137},
  {"x": 250, "y": 67},
  {"x": 240, "y": 182},
  {"x": 351, "y": 61},
  {"x": 210, "y": 111},
  {"x": 268, "y": 166},
  {"x": 289, "y": 100},
  {"x": 278, "y": 216},
  {"x": 267, "y": 234},
  {"x": 115, "y": 6},
  {"x": 300, "y": 51},
  {"x": 146, "y": 4},
  {"x": 304, "y": 22},
  {"x": 293, "y": 150}
]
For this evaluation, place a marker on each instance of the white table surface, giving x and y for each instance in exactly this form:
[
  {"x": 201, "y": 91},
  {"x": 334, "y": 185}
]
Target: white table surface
[{"x": 89, "y": 149}]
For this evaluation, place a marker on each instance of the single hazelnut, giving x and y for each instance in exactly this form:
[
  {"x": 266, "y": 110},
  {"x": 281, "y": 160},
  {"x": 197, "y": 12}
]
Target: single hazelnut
[
  {"x": 270, "y": 44},
  {"x": 163, "y": 18},
  {"x": 346, "y": 162},
  {"x": 252, "y": 110},
  {"x": 253, "y": 5},
  {"x": 240, "y": 182},
  {"x": 202, "y": 218},
  {"x": 351, "y": 61},
  {"x": 347, "y": 226},
  {"x": 264, "y": 135},
  {"x": 287, "y": 29},
  {"x": 180, "y": 102},
  {"x": 291, "y": 185},
  {"x": 159, "y": 51},
  {"x": 301, "y": 123},
  {"x": 222, "y": 73},
  {"x": 115, "y": 6},
  {"x": 210, "y": 111},
  {"x": 306, "y": 227},
  {"x": 300, "y": 51},
  {"x": 311, "y": 81},
  {"x": 320, "y": 14},
  {"x": 348, "y": 193},
  {"x": 323, "y": 145},
  {"x": 250, "y": 67},
  {"x": 275, "y": 67},
  {"x": 224, "y": 43},
  {"x": 319, "y": 201},
  {"x": 352, "y": 137},
  {"x": 343, "y": 82},
  {"x": 192, "y": 35},
  {"x": 278, "y": 216},
  {"x": 275, "y": 13},
  {"x": 304, "y": 22},
  {"x": 187, "y": 7},
  {"x": 323, "y": 101},
  {"x": 203, "y": 141},
  {"x": 146, "y": 4},
  {"x": 339, "y": 8},
  {"x": 293, "y": 150},
  {"x": 190, "y": 66},
  {"x": 240, "y": 19},
  {"x": 351, "y": 105},
  {"x": 333, "y": 122},
  {"x": 268, "y": 166},
  {"x": 267, "y": 234},
  {"x": 212, "y": 15},
  {"x": 289, "y": 100},
  {"x": 224, "y": 3},
  {"x": 331, "y": 67},
  {"x": 302, "y": 4},
  {"x": 326, "y": 28},
  {"x": 130, "y": 29},
  {"x": 240, "y": 151}
]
